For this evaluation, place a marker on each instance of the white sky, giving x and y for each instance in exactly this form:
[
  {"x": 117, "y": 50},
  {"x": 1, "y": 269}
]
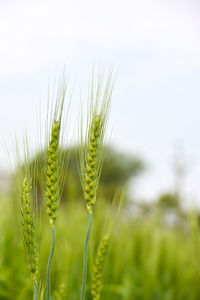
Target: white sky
[{"x": 155, "y": 45}]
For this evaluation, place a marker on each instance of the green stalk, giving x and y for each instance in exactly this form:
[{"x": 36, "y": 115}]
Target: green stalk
[
  {"x": 36, "y": 290},
  {"x": 48, "y": 294},
  {"x": 85, "y": 257}
]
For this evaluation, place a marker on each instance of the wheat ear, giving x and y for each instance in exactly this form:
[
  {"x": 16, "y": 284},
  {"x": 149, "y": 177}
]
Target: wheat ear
[
  {"x": 54, "y": 182},
  {"x": 28, "y": 229},
  {"x": 98, "y": 268},
  {"x": 91, "y": 154},
  {"x": 52, "y": 193}
]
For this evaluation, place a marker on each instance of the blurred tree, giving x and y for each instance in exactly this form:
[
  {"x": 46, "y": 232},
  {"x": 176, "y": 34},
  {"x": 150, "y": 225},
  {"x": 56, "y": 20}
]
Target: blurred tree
[
  {"x": 117, "y": 171},
  {"x": 169, "y": 201}
]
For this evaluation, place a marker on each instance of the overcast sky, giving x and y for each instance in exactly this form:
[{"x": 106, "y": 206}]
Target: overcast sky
[{"x": 154, "y": 45}]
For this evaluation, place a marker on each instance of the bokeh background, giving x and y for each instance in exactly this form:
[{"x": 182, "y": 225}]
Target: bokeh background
[{"x": 155, "y": 48}]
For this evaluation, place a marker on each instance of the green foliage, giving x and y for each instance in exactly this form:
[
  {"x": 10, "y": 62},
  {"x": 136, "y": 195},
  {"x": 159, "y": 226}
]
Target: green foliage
[{"x": 146, "y": 260}]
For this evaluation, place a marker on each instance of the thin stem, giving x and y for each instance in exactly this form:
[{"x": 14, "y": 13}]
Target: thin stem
[
  {"x": 85, "y": 258},
  {"x": 48, "y": 294},
  {"x": 36, "y": 290}
]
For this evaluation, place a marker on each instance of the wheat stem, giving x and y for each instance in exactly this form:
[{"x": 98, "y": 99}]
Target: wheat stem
[
  {"x": 85, "y": 257},
  {"x": 36, "y": 290},
  {"x": 49, "y": 263}
]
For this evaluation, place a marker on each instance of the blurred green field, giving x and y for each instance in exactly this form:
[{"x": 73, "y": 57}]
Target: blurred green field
[{"x": 147, "y": 258}]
